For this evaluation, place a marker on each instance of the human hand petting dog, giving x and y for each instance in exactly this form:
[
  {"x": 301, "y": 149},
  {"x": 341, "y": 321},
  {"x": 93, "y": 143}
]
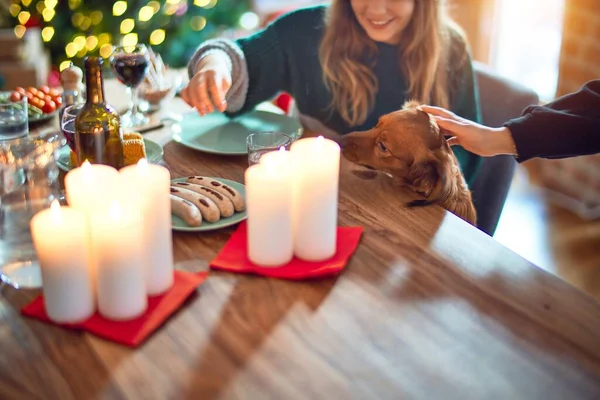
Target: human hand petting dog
[
  {"x": 208, "y": 88},
  {"x": 476, "y": 138}
]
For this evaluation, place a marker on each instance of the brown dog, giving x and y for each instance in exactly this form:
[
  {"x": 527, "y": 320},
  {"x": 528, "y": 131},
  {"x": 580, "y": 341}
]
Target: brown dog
[{"x": 409, "y": 146}]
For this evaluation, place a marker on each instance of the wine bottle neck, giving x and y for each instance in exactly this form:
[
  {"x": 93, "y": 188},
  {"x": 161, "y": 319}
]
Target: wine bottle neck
[{"x": 94, "y": 84}]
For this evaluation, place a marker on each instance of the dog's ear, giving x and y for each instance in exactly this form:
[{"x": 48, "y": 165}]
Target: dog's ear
[{"x": 424, "y": 177}]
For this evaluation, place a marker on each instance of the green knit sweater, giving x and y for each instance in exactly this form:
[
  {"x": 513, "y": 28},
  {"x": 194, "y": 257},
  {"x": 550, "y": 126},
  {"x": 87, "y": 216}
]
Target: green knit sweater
[{"x": 284, "y": 57}]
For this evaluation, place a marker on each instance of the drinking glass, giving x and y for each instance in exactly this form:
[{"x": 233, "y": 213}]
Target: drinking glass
[
  {"x": 263, "y": 142},
  {"x": 28, "y": 184},
  {"x": 67, "y": 123},
  {"x": 13, "y": 117},
  {"x": 130, "y": 64}
]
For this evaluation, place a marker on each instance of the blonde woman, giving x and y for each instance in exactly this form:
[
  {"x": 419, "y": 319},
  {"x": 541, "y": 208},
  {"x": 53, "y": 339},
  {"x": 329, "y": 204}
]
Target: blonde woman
[{"x": 345, "y": 64}]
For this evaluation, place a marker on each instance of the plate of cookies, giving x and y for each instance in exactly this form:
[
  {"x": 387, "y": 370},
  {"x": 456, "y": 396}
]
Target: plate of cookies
[
  {"x": 135, "y": 147},
  {"x": 200, "y": 203}
]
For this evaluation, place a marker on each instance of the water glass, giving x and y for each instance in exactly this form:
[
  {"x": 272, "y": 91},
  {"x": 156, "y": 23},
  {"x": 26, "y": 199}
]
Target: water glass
[
  {"x": 13, "y": 117},
  {"x": 28, "y": 184},
  {"x": 263, "y": 142}
]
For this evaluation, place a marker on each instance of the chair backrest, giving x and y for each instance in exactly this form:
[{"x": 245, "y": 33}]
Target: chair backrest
[{"x": 500, "y": 99}]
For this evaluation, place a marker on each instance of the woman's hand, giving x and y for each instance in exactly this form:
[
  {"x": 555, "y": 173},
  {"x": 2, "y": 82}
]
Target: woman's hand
[
  {"x": 476, "y": 138},
  {"x": 208, "y": 88}
]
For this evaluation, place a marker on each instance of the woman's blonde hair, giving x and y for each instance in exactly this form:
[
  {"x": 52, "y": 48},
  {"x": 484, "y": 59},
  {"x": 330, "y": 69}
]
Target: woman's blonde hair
[{"x": 347, "y": 56}]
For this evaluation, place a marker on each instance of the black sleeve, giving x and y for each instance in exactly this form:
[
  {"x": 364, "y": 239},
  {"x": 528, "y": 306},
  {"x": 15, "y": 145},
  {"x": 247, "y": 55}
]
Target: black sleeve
[{"x": 566, "y": 127}]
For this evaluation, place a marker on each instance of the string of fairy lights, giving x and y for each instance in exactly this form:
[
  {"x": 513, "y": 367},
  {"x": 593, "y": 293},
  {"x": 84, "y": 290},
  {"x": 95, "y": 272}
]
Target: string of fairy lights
[{"x": 130, "y": 19}]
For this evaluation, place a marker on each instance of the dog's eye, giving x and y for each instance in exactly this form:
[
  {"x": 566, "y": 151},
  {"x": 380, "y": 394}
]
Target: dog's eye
[{"x": 382, "y": 147}]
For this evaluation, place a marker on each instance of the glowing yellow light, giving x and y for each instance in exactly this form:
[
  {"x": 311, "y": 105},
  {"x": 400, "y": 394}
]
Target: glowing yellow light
[
  {"x": 64, "y": 64},
  {"x": 73, "y": 4},
  {"x": 103, "y": 38},
  {"x": 76, "y": 19},
  {"x": 106, "y": 50},
  {"x": 47, "y": 33},
  {"x": 127, "y": 25},
  {"x": 157, "y": 37},
  {"x": 20, "y": 31},
  {"x": 198, "y": 23},
  {"x": 201, "y": 3},
  {"x": 79, "y": 42},
  {"x": 71, "y": 50},
  {"x": 24, "y": 17},
  {"x": 14, "y": 9},
  {"x": 155, "y": 5},
  {"x": 211, "y": 4},
  {"x": 145, "y": 13},
  {"x": 119, "y": 8},
  {"x": 171, "y": 9},
  {"x": 173, "y": 1},
  {"x": 96, "y": 17},
  {"x": 51, "y": 3},
  {"x": 91, "y": 43},
  {"x": 26, "y": 3},
  {"x": 81, "y": 53},
  {"x": 85, "y": 23},
  {"x": 131, "y": 39},
  {"x": 40, "y": 6},
  {"x": 48, "y": 14}
]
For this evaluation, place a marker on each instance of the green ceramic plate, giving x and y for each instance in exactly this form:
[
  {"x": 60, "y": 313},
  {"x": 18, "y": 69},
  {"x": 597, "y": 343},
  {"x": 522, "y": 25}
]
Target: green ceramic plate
[
  {"x": 154, "y": 153},
  {"x": 180, "y": 225},
  {"x": 218, "y": 134}
]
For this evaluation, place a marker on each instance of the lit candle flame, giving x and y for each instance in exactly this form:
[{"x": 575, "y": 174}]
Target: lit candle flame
[
  {"x": 86, "y": 171},
  {"x": 55, "y": 212},
  {"x": 143, "y": 163}
]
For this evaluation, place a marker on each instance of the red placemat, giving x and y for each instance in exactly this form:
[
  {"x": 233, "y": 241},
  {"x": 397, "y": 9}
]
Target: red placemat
[
  {"x": 130, "y": 333},
  {"x": 233, "y": 257}
]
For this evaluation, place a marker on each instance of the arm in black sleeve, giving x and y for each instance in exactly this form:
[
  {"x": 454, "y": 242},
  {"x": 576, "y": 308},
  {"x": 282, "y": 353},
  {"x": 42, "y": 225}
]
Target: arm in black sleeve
[{"x": 566, "y": 127}]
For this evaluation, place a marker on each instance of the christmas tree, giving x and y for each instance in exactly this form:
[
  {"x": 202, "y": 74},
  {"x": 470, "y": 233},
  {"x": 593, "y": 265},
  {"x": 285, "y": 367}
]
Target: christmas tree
[{"x": 74, "y": 29}]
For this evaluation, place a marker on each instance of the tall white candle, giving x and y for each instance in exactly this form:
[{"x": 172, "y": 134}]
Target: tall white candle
[
  {"x": 116, "y": 236},
  {"x": 90, "y": 188},
  {"x": 316, "y": 179},
  {"x": 269, "y": 205},
  {"x": 147, "y": 187},
  {"x": 61, "y": 243}
]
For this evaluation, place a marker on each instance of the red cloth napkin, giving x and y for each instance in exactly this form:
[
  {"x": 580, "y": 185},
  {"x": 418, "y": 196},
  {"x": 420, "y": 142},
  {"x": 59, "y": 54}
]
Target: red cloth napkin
[
  {"x": 233, "y": 257},
  {"x": 134, "y": 332}
]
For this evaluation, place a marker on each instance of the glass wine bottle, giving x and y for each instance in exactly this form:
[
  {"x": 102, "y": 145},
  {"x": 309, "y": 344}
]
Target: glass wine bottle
[{"x": 98, "y": 136}]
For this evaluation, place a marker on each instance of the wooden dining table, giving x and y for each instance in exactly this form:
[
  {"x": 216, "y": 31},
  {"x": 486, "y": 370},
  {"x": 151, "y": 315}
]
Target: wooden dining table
[{"x": 428, "y": 307}]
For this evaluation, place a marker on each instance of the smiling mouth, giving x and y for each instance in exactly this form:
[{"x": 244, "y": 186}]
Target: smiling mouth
[{"x": 380, "y": 24}]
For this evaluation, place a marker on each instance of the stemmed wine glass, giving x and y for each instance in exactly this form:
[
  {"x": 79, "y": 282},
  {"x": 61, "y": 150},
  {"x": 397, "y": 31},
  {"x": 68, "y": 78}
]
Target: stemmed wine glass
[
  {"x": 67, "y": 123},
  {"x": 130, "y": 64}
]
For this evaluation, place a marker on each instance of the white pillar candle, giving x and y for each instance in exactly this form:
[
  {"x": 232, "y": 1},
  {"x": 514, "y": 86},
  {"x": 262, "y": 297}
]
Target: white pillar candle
[
  {"x": 90, "y": 188},
  {"x": 269, "y": 205},
  {"x": 61, "y": 243},
  {"x": 316, "y": 179},
  {"x": 116, "y": 237},
  {"x": 147, "y": 187}
]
